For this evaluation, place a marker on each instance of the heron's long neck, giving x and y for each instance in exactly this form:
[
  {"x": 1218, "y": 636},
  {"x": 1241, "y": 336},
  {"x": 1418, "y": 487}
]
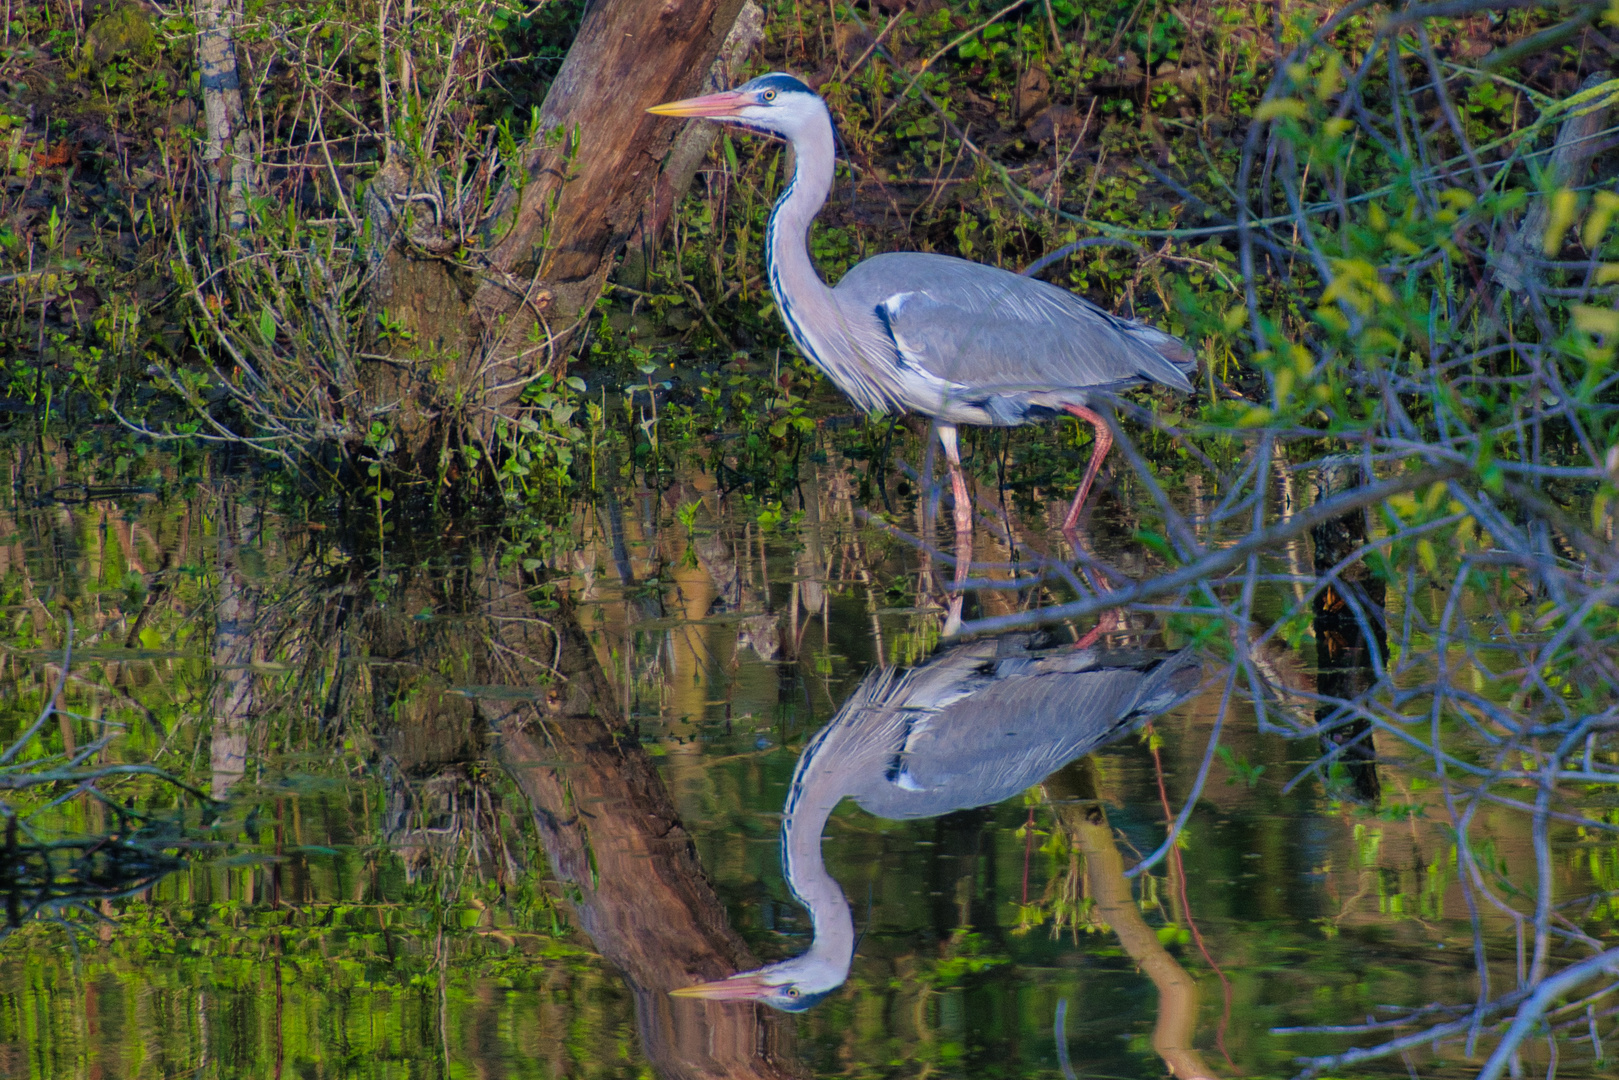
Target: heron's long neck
[
  {"x": 809, "y": 808},
  {"x": 801, "y": 295}
]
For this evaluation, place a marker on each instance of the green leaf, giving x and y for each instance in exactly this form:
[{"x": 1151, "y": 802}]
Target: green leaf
[
  {"x": 1595, "y": 320},
  {"x": 1270, "y": 110},
  {"x": 1155, "y": 542}
]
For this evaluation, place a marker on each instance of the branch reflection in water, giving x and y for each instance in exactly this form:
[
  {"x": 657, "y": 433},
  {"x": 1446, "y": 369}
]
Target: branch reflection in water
[
  {"x": 975, "y": 725},
  {"x": 1073, "y": 793}
]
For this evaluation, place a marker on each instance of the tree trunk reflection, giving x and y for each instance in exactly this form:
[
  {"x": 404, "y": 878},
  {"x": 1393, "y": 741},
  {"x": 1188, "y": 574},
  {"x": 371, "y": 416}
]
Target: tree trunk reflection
[
  {"x": 235, "y": 646},
  {"x": 1348, "y": 627},
  {"x": 613, "y": 836},
  {"x": 1074, "y": 798}
]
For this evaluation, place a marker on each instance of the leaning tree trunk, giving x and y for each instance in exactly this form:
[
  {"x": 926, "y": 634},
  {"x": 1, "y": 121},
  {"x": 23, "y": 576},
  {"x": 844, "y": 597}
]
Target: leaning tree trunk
[
  {"x": 551, "y": 238},
  {"x": 1576, "y": 147},
  {"x": 691, "y": 148}
]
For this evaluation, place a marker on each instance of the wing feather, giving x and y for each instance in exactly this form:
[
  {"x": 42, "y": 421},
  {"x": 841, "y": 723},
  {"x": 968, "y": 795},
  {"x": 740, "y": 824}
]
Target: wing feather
[{"x": 988, "y": 330}]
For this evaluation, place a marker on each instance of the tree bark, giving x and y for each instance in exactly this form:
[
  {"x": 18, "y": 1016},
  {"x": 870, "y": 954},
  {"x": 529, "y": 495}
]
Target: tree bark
[
  {"x": 1566, "y": 168},
  {"x": 690, "y": 150},
  {"x": 555, "y": 227},
  {"x": 225, "y": 140}
]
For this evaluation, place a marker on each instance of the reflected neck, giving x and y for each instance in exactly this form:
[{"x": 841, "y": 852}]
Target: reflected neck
[{"x": 808, "y": 877}]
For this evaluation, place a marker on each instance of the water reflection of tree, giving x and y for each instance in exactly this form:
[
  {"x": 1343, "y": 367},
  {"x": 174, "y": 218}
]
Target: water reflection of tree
[
  {"x": 491, "y": 663},
  {"x": 346, "y": 729},
  {"x": 1079, "y": 813},
  {"x": 88, "y": 817},
  {"x": 321, "y": 651},
  {"x": 1401, "y": 714},
  {"x": 64, "y": 866},
  {"x": 614, "y": 838}
]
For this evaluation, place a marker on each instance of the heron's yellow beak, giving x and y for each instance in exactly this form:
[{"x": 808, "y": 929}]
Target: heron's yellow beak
[
  {"x": 749, "y": 987},
  {"x": 711, "y": 106}
]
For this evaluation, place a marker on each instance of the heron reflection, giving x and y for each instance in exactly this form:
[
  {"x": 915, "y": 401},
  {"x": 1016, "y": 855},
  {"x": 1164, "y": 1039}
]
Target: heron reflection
[{"x": 975, "y": 725}]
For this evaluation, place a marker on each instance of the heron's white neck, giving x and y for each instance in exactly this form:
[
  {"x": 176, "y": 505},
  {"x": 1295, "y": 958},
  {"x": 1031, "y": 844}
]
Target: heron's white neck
[{"x": 801, "y": 295}]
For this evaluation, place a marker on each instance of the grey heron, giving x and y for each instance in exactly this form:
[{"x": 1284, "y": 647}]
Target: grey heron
[
  {"x": 975, "y": 725},
  {"x": 953, "y": 340}
]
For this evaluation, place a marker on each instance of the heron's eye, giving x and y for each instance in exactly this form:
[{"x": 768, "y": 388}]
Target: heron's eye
[
  {"x": 792, "y": 992},
  {"x": 768, "y": 96}
]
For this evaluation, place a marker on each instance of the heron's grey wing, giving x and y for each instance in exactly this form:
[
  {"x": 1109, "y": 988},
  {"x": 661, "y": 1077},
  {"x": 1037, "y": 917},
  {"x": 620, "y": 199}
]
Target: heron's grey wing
[
  {"x": 1014, "y": 734},
  {"x": 986, "y": 329}
]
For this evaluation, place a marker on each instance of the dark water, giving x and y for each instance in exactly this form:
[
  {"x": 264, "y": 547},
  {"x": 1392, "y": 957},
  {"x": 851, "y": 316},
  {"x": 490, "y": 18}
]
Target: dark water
[{"x": 472, "y": 828}]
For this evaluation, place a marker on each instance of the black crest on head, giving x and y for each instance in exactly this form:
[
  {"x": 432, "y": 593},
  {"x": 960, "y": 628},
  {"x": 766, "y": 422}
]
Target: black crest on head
[{"x": 780, "y": 83}]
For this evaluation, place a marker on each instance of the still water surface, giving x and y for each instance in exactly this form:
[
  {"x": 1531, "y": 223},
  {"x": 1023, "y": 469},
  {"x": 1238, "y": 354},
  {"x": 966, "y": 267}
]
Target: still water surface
[{"x": 468, "y": 828}]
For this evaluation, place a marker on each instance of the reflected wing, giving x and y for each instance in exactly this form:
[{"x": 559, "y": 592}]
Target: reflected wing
[
  {"x": 858, "y": 750},
  {"x": 1023, "y": 722}
]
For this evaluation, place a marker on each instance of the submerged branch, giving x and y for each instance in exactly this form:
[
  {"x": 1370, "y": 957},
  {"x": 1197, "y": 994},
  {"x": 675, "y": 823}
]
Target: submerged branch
[{"x": 1216, "y": 562}]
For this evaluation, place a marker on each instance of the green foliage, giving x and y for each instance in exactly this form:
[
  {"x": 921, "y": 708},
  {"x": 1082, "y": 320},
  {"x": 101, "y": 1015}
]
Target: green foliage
[
  {"x": 1365, "y": 316},
  {"x": 124, "y": 32},
  {"x": 1242, "y": 770}
]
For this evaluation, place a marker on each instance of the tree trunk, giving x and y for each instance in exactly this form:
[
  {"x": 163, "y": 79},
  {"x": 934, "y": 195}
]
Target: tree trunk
[
  {"x": 235, "y": 647},
  {"x": 225, "y": 136},
  {"x": 555, "y": 227},
  {"x": 1344, "y": 611},
  {"x": 1570, "y": 160},
  {"x": 690, "y": 150}
]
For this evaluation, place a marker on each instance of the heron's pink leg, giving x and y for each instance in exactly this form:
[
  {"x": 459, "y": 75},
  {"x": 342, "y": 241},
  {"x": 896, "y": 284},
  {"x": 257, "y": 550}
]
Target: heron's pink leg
[
  {"x": 963, "y": 508},
  {"x": 1109, "y": 620},
  {"x": 963, "y": 512},
  {"x": 1108, "y": 623},
  {"x": 1104, "y": 443}
]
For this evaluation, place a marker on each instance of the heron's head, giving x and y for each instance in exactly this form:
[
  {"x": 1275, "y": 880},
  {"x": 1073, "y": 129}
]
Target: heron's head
[
  {"x": 776, "y": 104},
  {"x": 791, "y": 986}
]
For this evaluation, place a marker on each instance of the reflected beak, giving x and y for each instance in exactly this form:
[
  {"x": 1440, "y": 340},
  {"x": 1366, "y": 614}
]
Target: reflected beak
[
  {"x": 749, "y": 987},
  {"x": 711, "y": 106}
]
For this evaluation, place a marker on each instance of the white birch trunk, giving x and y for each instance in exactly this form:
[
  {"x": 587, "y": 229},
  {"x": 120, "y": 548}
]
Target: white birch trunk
[{"x": 225, "y": 140}]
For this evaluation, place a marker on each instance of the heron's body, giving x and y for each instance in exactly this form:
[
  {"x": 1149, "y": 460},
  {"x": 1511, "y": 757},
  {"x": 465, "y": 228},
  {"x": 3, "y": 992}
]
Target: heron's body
[
  {"x": 957, "y": 341},
  {"x": 974, "y": 726},
  {"x": 971, "y": 344}
]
